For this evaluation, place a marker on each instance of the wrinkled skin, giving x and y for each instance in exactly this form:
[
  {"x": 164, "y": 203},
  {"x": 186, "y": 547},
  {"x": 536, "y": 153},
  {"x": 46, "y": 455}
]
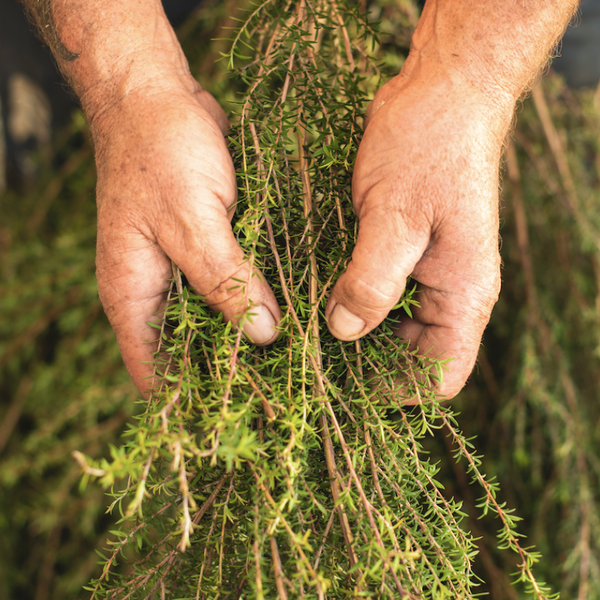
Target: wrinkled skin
[
  {"x": 425, "y": 186},
  {"x": 425, "y": 189},
  {"x": 166, "y": 191}
]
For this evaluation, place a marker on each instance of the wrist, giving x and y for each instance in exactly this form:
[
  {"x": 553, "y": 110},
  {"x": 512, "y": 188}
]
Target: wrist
[
  {"x": 121, "y": 48},
  {"x": 494, "y": 47},
  {"x": 134, "y": 91},
  {"x": 441, "y": 53},
  {"x": 460, "y": 88}
]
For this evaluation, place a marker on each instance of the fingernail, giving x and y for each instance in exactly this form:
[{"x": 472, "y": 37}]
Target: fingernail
[
  {"x": 260, "y": 325},
  {"x": 344, "y": 324}
]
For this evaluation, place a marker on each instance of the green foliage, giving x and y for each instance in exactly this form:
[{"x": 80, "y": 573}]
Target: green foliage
[
  {"x": 285, "y": 471},
  {"x": 541, "y": 363},
  {"x": 280, "y": 472}
]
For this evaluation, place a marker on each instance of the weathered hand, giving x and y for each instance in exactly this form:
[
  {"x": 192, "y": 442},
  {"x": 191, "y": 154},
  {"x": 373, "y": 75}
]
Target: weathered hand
[
  {"x": 167, "y": 191},
  {"x": 425, "y": 190},
  {"x": 426, "y": 177},
  {"x": 425, "y": 184}
]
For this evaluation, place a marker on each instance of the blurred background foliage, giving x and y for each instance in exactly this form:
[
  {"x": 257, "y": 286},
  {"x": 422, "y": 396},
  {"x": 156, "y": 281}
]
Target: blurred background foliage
[{"x": 532, "y": 402}]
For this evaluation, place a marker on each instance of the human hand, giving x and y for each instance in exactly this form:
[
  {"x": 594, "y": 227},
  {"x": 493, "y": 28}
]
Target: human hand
[
  {"x": 425, "y": 190},
  {"x": 425, "y": 184},
  {"x": 167, "y": 191}
]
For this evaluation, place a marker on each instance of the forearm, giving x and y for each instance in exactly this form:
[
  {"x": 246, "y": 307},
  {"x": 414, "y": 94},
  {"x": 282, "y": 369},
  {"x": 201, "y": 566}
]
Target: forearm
[
  {"x": 494, "y": 46},
  {"x": 108, "y": 48}
]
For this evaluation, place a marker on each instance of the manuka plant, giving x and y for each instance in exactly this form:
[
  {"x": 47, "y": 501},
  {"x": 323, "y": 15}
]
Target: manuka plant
[{"x": 297, "y": 470}]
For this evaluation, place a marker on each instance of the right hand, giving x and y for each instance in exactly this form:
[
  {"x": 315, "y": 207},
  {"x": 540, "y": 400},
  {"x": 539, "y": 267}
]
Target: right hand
[{"x": 167, "y": 191}]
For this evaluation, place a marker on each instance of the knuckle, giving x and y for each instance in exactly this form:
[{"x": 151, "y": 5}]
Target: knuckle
[
  {"x": 231, "y": 290},
  {"x": 370, "y": 296}
]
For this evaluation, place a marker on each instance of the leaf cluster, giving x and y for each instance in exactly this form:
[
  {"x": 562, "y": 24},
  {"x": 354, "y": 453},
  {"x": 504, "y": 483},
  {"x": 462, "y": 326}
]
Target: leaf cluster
[{"x": 296, "y": 470}]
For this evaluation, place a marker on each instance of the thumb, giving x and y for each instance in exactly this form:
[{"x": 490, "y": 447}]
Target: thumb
[
  {"x": 217, "y": 269},
  {"x": 387, "y": 249}
]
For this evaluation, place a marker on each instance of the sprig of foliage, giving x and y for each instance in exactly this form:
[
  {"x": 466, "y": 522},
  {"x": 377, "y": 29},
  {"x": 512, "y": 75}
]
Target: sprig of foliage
[{"x": 297, "y": 470}]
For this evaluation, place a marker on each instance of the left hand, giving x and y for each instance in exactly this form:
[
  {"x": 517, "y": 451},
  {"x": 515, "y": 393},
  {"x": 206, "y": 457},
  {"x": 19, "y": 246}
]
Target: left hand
[{"x": 425, "y": 190}]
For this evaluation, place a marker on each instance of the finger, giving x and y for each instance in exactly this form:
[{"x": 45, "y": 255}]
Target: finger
[
  {"x": 132, "y": 278},
  {"x": 218, "y": 270},
  {"x": 460, "y": 290},
  {"x": 132, "y": 275},
  {"x": 213, "y": 108},
  {"x": 388, "y": 247},
  {"x": 199, "y": 239},
  {"x": 195, "y": 232}
]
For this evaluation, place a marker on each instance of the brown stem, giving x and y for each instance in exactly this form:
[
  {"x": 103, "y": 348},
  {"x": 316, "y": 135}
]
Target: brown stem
[
  {"x": 334, "y": 480},
  {"x": 514, "y": 176},
  {"x": 266, "y": 405},
  {"x": 279, "y": 584}
]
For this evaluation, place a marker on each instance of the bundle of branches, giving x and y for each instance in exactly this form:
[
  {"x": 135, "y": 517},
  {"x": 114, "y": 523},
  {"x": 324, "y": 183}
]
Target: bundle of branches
[{"x": 297, "y": 470}]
